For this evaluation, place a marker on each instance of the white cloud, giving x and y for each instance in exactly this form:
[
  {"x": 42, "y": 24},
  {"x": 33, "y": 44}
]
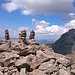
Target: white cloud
[
  {"x": 41, "y": 23},
  {"x": 70, "y": 25},
  {"x": 31, "y": 7},
  {"x": 22, "y": 28},
  {"x": 40, "y": 29},
  {"x": 40, "y": 26},
  {"x": 33, "y": 20},
  {"x": 26, "y": 12},
  {"x": 55, "y": 30},
  {"x": 70, "y": 16},
  {"x": 43, "y": 27},
  {"x": 52, "y": 30},
  {"x": 10, "y": 6}
]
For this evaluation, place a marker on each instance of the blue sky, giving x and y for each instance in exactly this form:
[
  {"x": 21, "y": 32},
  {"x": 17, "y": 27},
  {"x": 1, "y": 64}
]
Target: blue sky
[{"x": 49, "y": 18}]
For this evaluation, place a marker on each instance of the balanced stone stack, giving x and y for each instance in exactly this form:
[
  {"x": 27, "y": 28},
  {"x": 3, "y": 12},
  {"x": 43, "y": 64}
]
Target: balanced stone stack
[
  {"x": 31, "y": 38},
  {"x": 7, "y": 35},
  {"x": 32, "y": 34},
  {"x": 22, "y": 36}
]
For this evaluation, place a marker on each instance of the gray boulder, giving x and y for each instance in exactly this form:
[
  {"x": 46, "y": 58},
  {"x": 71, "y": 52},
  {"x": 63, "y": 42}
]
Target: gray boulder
[{"x": 5, "y": 47}]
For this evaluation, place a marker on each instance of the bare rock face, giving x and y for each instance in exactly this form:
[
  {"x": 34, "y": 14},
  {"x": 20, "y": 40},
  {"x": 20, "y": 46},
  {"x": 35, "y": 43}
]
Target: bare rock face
[
  {"x": 7, "y": 35},
  {"x": 66, "y": 43},
  {"x": 63, "y": 72},
  {"x": 37, "y": 72},
  {"x": 33, "y": 42},
  {"x": 32, "y": 34},
  {"x": 73, "y": 69},
  {"x": 5, "y": 47},
  {"x": 1, "y": 73}
]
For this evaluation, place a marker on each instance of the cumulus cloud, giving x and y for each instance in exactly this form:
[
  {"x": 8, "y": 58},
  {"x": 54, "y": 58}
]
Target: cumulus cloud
[
  {"x": 41, "y": 23},
  {"x": 70, "y": 25},
  {"x": 22, "y": 28},
  {"x": 10, "y": 6},
  {"x": 55, "y": 30},
  {"x": 45, "y": 29},
  {"x": 40, "y": 26},
  {"x": 70, "y": 16},
  {"x": 33, "y": 20},
  {"x": 31, "y": 7}
]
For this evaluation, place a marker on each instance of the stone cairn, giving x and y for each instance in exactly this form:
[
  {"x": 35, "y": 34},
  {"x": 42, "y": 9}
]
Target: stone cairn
[
  {"x": 32, "y": 34},
  {"x": 22, "y": 36},
  {"x": 7, "y": 35}
]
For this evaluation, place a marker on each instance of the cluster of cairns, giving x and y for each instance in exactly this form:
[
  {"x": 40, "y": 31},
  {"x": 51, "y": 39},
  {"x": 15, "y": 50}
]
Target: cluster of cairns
[
  {"x": 19, "y": 58},
  {"x": 22, "y": 36}
]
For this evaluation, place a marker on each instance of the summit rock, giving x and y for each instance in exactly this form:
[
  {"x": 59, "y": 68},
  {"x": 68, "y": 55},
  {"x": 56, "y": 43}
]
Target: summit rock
[{"x": 66, "y": 43}]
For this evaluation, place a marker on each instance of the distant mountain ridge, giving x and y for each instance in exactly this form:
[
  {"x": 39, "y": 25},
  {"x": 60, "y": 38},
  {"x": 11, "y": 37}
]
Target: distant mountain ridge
[
  {"x": 66, "y": 43},
  {"x": 42, "y": 41}
]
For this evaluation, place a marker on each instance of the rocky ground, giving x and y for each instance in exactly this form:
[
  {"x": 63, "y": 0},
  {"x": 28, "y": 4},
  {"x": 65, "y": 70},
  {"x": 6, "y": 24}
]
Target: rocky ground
[{"x": 33, "y": 59}]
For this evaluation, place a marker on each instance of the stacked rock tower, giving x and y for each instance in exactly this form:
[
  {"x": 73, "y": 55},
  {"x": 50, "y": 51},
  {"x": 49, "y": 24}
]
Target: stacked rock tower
[
  {"x": 32, "y": 34},
  {"x": 22, "y": 36},
  {"x": 7, "y": 35}
]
